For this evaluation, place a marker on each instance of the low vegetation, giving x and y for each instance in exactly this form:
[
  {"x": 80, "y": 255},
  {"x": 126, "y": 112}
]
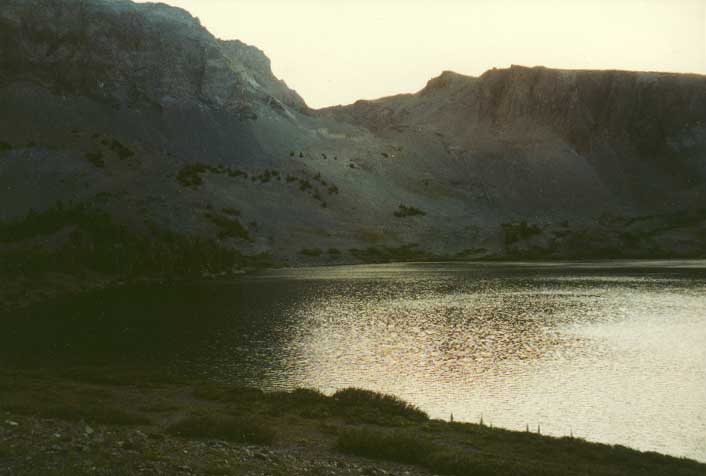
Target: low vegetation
[
  {"x": 96, "y": 158},
  {"x": 515, "y": 232},
  {"x": 224, "y": 427},
  {"x": 404, "y": 211},
  {"x": 229, "y": 227},
  {"x": 88, "y": 239},
  {"x": 350, "y": 422},
  {"x": 121, "y": 150},
  {"x": 363, "y": 401},
  {"x": 190, "y": 175}
]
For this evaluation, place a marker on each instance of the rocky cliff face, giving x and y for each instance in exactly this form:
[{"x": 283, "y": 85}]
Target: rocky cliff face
[
  {"x": 128, "y": 55},
  {"x": 642, "y": 134},
  {"x": 137, "y": 110}
]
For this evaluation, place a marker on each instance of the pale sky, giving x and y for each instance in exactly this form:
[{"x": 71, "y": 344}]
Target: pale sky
[{"x": 339, "y": 51}]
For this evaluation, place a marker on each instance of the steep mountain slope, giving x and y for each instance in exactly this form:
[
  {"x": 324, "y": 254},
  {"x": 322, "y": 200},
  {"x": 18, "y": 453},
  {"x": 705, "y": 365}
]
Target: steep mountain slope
[
  {"x": 639, "y": 135},
  {"x": 138, "y": 111}
]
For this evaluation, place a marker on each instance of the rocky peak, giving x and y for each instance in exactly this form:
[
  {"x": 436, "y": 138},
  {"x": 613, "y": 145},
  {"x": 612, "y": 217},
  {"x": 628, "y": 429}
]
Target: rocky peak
[
  {"x": 259, "y": 66},
  {"x": 131, "y": 55},
  {"x": 444, "y": 81}
]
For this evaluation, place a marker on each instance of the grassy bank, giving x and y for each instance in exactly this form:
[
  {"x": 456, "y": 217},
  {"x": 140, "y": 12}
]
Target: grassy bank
[{"x": 350, "y": 427}]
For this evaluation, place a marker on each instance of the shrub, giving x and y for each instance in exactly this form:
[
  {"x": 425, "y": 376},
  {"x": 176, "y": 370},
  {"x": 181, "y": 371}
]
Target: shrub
[
  {"x": 122, "y": 151},
  {"x": 334, "y": 251},
  {"x": 4, "y": 146},
  {"x": 231, "y": 211},
  {"x": 515, "y": 232},
  {"x": 404, "y": 211},
  {"x": 190, "y": 174},
  {"x": 405, "y": 447},
  {"x": 311, "y": 251},
  {"x": 229, "y": 227},
  {"x": 96, "y": 158},
  {"x": 236, "y": 173},
  {"x": 397, "y": 446},
  {"x": 461, "y": 463},
  {"x": 333, "y": 190},
  {"x": 241, "y": 430},
  {"x": 385, "y": 404}
]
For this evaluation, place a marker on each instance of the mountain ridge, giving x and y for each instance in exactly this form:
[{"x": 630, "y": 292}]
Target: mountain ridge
[{"x": 138, "y": 111}]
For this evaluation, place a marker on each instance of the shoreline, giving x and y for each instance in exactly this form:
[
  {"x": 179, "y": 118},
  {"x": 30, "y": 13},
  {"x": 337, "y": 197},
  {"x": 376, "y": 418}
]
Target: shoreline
[{"x": 128, "y": 423}]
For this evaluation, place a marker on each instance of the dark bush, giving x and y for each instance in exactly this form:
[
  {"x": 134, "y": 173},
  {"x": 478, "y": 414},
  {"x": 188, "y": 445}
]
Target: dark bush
[
  {"x": 396, "y": 446},
  {"x": 122, "y": 151},
  {"x": 96, "y": 158},
  {"x": 190, "y": 174},
  {"x": 404, "y": 211},
  {"x": 229, "y": 227},
  {"x": 231, "y": 211},
  {"x": 385, "y": 404},
  {"x": 515, "y": 232},
  {"x": 405, "y": 447}
]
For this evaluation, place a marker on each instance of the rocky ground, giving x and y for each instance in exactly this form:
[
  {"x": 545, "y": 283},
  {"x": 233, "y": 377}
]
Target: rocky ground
[{"x": 35, "y": 446}]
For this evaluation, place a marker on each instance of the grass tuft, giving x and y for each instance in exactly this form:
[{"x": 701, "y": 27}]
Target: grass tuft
[
  {"x": 388, "y": 405},
  {"x": 395, "y": 446},
  {"x": 241, "y": 430},
  {"x": 404, "y": 211}
]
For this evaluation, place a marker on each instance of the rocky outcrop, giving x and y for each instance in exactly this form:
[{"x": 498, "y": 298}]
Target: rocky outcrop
[
  {"x": 258, "y": 67},
  {"x": 131, "y": 55},
  {"x": 644, "y": 134}
]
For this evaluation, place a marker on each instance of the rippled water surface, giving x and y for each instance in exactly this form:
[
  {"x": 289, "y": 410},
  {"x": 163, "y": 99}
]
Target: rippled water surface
[{"x": 613, "y": 352}]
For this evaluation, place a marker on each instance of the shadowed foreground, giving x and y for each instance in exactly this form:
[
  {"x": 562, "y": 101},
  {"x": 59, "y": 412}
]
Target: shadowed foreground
[{"x": 88, "y": 422}]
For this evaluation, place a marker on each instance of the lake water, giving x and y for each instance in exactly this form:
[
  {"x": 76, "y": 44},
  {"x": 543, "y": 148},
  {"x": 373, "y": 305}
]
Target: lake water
[{"x": 612, "y": 352}]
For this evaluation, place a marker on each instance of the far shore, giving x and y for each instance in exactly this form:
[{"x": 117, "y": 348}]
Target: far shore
[{"x": 24, "y": 290}]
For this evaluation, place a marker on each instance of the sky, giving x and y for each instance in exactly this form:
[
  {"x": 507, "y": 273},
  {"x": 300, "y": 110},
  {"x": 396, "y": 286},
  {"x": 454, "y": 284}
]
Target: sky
[{"x": 338, "y": 51}]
